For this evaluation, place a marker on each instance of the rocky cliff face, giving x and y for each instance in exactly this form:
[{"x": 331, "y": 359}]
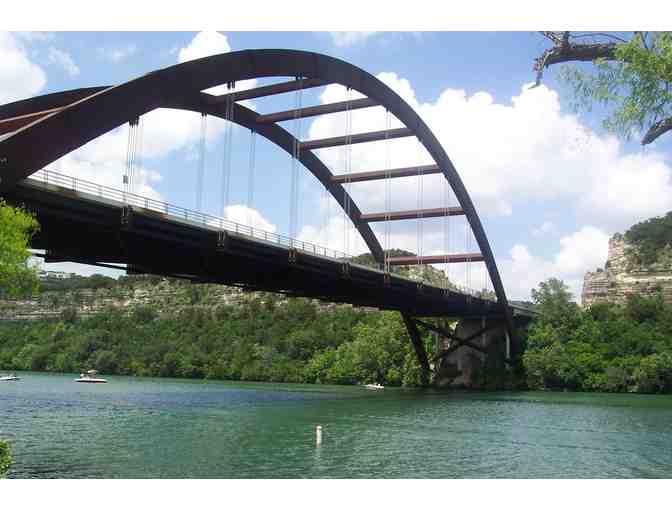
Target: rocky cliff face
[
  {"x": 624, "y": 275},
  {"x": 165, "y": 295}
]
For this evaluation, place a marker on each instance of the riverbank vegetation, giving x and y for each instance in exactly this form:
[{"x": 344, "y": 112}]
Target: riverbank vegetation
[
  {"x": 17, "y": 276},
  {"x": 608, "y": 347},
  {"x": 5, "y": 458},
  {"x": 270, "y": 338}
]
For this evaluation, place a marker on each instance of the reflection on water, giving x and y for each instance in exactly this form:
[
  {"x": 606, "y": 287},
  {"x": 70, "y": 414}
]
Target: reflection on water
[{"x": 151, "y": 428}]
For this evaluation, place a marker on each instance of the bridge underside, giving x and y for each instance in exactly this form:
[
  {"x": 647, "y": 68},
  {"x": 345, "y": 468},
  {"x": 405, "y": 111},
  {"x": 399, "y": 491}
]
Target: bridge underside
[{"x": 94, "y": 232}]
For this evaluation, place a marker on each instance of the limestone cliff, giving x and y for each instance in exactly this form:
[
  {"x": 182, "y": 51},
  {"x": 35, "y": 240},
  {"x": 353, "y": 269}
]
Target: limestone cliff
[
  {"x": 163, "y": 294},
  {"x": 624, "y": 274}
]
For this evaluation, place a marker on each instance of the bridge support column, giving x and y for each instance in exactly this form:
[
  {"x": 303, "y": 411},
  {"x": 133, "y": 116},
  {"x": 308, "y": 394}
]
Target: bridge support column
[
  {"x": 419, "y": 347},
  {"x": 477, "y": 349}
]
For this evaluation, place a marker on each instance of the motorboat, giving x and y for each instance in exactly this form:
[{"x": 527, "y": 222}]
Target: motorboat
[
  {"x": 374, "y": 386},
  {"x": 9, "y": 377},
  {"x": 90, "y": 377}
]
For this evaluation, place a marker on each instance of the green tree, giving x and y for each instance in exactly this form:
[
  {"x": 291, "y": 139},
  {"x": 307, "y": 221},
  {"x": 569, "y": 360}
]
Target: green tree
[
  {"x": 17, "y": 277},
  {"x": 631, "y": 76},
  {"x": 554, "y": 303},
  {"x": 5, "y": 458}
]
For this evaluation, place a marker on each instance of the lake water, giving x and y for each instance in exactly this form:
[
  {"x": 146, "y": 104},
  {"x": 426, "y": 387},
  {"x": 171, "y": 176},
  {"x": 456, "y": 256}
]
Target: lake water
[{"x": 155, "y": 428}]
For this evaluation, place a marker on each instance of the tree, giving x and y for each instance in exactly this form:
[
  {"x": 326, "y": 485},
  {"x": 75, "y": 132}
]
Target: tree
[
  {"x": 5, "y": 458},
  {"x": 17, "y": 277},
  {"x": 632, "y": 77},
  {"x": 554, "y": 303}
]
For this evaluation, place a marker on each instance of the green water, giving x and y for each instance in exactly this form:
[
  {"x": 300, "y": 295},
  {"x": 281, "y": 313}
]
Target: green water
[{"x": 151, "y": 428}]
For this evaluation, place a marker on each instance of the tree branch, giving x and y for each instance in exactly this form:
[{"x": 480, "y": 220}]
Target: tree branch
[
  {"x": 659, "y": 128},
  {"x": 567, "y": 52}
]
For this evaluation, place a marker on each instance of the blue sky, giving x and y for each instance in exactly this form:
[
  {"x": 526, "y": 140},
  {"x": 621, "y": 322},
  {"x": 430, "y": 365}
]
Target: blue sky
[{"x": 550, "y": 186}]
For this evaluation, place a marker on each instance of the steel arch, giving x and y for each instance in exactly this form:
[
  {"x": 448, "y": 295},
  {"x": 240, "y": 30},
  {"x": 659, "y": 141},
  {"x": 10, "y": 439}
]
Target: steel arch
[{"x": 99, "y": 110}]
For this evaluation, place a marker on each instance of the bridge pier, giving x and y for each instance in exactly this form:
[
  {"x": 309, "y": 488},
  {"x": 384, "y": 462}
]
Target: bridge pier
[
  {"x": 469, "y": 356},
  {"x": 419, "y": 348}
]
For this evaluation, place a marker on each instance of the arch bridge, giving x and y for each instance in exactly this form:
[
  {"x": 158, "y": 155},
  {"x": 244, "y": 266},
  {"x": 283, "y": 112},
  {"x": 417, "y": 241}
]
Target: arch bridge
[{"x": 89, "y": 223}]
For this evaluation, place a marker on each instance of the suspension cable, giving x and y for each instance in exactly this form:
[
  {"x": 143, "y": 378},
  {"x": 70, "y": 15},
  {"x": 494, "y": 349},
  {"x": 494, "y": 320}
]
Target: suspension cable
[
  {"x": 347, "y": 151},
  {"x": 250, "y": 182},
  {"x": 467, "y": 245},
  {"x": 446, "y": 233},
  {"x": 326, "y": 206},
  {"x": 420, "y": 224},
  {"x": 296, "y": 156},
  {"x": 388, "y": 193},
  {"x": 131, "y": 149},
  {"x": 138, "y": 158},
  {"x": 226, "y": 154},
  {"x": 201, "y": 162}
]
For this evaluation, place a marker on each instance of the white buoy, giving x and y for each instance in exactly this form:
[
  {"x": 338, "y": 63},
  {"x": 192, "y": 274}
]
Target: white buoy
[{"x": 318, "y": 435}]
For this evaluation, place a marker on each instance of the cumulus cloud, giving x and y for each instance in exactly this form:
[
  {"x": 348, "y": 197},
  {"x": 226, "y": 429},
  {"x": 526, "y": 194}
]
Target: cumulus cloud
[
  {"x": 64, "y": 60},
  {"x": 582, "y": 251},
  {"x": 349, "y": 38},
  {"x": 165, "y": 132},
  {"x": 118, "y": 54},
  {"x": 19, "y": 76},
  {"x": 248, "y": 216},
  {"x": 205, "y": 44},
  {"x": 547, "y": 228},
  {"x": 508, "y": 154}
]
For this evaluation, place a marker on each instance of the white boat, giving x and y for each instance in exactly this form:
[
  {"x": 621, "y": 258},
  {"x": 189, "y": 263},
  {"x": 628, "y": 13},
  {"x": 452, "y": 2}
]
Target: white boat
[
  {"x": 9, "y": 377},
  {"x": 374, "y": 386},
  {"x": 90, "y": 377}
]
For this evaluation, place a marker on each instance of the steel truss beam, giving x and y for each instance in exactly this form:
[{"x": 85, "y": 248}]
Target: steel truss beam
[
  {"x": 435, "y": 259},
  {"x": 371, "y": 136},
  {"x": 419, "y": 347},
  {"x": 269, "y": 90},
  {"x": 438, "y": 212},
  {"x": 392, "y": 173},
  {"x": 312, "y": 111},
  {"x": 459, "y": 342}
]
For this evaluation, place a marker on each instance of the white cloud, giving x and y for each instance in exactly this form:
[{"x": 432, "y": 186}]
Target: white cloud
[
  {"x": 350, "y": 38},
  {"x": 508, "y": 155},
  {"x": 547, "y": 228},
  {"x": 244, "y": 215},
  {"x": 19, "y": 77},
  {"x": 208, "y": 43},
  {"x": 64, "y": 60},
  {"x": 582, "y": 251},
  {"x": 118, "y": 54},
  {"x": 165, "y": 131},
  {"x": 34, "y": 36},
  {"x": 204, "y": 44}
]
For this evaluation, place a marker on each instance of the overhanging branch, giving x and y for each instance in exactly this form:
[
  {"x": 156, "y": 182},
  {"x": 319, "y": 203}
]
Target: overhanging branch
[
  {"x": 659, "y": 128},
  {"x": 573, "y": 53}
]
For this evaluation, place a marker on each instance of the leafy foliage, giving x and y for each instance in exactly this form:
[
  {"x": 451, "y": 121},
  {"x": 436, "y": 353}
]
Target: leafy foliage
[
  {"x": 650, "y": 237},
  {"x": 607, "y": 347},
  {"x": 635, "y": 85},
  {"x": 267, "y": 339},
  {"x": 17, "y": 227},
  {"x": 5, "y": 458}
]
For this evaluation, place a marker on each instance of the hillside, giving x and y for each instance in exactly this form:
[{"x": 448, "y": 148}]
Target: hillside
[{"x": 639, "y": 263}]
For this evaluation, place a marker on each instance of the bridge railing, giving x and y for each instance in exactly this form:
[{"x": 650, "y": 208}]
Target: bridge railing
[
  {"x": 175, "y": 211},
  {"x": 100, "y": 191}
]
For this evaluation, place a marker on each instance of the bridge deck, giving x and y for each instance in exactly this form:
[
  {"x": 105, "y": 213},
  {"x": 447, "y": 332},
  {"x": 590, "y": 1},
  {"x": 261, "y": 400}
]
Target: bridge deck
[{"x": 158, "y": 243}]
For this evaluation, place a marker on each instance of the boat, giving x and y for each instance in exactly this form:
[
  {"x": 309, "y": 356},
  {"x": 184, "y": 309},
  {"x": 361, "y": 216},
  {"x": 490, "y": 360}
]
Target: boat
[
  {"x": 9, "y": 377},
  {"x": 374, "y": 386},
  {"x": 90, "y": 377}
]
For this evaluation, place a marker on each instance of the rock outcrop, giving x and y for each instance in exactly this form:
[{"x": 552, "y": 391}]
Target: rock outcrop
[
  {"x": 165, "y": 295},
  {"x": 624, "y": 275}
]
